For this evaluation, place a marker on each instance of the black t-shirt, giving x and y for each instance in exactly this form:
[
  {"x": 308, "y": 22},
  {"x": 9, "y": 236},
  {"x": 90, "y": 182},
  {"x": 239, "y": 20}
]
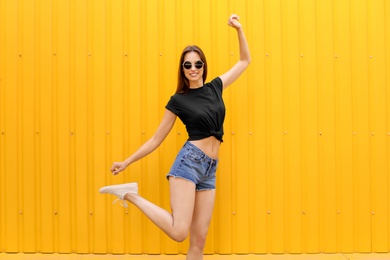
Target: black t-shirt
[{"x": 201, "y": 110}]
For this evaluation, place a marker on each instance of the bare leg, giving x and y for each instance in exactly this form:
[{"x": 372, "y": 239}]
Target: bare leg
[
  {"x": 204, "y": 205},
  {"x": 182, "y": 197}
]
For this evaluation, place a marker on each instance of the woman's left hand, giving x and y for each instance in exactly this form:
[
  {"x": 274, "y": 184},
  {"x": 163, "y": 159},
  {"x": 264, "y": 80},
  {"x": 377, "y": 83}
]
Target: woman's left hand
[{"x": 234, "y": 21}]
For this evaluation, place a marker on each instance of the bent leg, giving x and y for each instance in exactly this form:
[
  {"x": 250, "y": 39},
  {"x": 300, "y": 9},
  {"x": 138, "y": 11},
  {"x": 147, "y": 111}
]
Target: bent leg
[
  {"x": 204, "y": 205},
  {"x": 182, "y": 197}
]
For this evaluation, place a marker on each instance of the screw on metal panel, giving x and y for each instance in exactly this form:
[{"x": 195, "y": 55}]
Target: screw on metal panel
[
  {"x": 303, "y": 212},
  {"x": 178, "y": 133},
  {"x": 373, "y": 213},
  {"x": 372, "y": 133},
  {"x": 234, "y": 213},
  {"x": 55, "y": 212},
  {"x": 232, "y": 133},
  {"x": 161, "y": 54},
  {"x": 285, "y": 132},
  {"x": 90, "y": 213},
  {"x": 320, "y": 133},
  {"x": 89, "y": 54},
  {"x": 125, "y": 54},
  {"x": 232, "y": 53},
  {"x": 71, "y": 133},
  {"x": 370, "y": 56},
  {"x": 250, "y": 133},
  {"x": 143, "y": 132},
  {"x": 301, "y": 55},
  {"x": 266, "y": 55},
  {"x": 108, "y": 132},
  {"x": 336, "y": 56},
  {"x": 127, "y": 212},
  {"x": 388, "y": 134},
  {"x": 338, "y": 212},
  {"x": 20, "y": 55},
  {"x": 20, "y": 212},
  {"x": 54, "y": 54},
  {"x": 3, "y": 133},
  {"x": 269, "y": 212},
  {"x": 354, "y": 133}
]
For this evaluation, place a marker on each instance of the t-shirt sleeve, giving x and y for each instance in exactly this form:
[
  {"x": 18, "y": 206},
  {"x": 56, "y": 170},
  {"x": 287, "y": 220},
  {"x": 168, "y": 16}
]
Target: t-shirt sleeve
[
  {"x": 217, "y": 84},
  {"x": 173, "y": 106}
]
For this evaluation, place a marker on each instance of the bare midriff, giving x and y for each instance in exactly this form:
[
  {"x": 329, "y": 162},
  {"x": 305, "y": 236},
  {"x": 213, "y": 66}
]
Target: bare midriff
[{"x": 209, "y": 145}]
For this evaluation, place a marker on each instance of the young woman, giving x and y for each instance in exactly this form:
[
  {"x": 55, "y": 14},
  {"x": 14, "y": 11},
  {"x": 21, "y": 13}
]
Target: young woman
[{"x": 192, "y": 177}]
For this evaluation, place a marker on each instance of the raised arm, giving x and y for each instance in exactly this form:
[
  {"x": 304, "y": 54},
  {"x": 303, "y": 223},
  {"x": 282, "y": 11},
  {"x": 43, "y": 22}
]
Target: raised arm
[
  {"x": 149, "y": 146},
  {"x": 245, "y": 58}
]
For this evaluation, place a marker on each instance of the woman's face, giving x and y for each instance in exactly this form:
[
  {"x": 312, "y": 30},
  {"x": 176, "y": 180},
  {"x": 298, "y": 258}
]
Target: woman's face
[{"x": 193, "y": 74}]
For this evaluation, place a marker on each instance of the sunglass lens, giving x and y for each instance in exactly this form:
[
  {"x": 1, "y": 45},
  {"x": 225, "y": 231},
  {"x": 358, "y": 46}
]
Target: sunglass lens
[
  {"x": 199, "y": 64},
  {"x": 187, "y": 65}
]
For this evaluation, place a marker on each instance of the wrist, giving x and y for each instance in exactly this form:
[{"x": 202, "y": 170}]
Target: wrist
[{"x": 127, "y": 162}]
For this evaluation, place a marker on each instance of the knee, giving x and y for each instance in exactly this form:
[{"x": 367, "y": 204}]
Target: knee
[
  {"x": 180, "y": 235},
  {"x": 198, "y": 242}
]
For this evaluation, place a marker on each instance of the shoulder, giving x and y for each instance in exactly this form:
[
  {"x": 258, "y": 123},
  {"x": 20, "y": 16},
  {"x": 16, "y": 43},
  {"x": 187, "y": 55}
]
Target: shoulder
[
  {"x": 175, "y": 103},
  {"x": 216, "y": 83}
]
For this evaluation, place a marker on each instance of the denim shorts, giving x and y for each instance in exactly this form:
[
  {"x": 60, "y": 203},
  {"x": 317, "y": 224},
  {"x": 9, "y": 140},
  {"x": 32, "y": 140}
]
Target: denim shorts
[{"x": 194, "y": 165}]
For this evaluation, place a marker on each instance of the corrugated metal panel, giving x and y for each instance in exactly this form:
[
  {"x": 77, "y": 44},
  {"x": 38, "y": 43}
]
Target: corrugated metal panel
[
  {"x": 304, "y": 165},
  {"x": 56, "y": 256}
]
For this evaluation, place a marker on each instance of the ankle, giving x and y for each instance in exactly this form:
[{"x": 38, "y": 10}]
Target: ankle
[{"x": 130, "y": 196}]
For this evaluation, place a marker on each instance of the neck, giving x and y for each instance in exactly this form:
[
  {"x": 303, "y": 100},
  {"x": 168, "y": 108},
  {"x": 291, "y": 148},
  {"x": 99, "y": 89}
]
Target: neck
[{"x": 196, "y": 84}]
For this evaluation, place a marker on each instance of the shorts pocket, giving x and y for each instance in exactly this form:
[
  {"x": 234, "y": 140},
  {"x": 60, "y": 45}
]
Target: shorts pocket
[{"x": 193, "y": 156}]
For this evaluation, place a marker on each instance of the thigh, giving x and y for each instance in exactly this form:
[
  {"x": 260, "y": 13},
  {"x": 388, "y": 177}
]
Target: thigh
[
  {"x": 204, "y": 206},
  {"x": 182, "y": 199}
]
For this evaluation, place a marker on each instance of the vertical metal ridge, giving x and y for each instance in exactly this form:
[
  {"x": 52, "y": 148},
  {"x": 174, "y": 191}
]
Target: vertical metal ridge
[
  {"x": 90, "y": 144},
  {"x": 55, "y": 146},
  {"x": 19, "y": 126},
  {"x": 72, "y": 124},
  {"x": 2, "y": 122},
  {"x": 37, "y": 112}
]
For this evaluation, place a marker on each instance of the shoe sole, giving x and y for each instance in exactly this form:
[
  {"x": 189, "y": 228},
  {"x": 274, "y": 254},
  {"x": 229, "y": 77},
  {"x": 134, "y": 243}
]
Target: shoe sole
[{"x": 130, "y": 186}]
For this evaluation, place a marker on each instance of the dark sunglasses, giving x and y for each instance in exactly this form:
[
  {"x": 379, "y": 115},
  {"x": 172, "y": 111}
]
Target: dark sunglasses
[{"x": 188, "y": 65}]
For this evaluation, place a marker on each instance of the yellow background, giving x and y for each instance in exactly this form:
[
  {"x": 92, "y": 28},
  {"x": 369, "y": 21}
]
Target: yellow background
[{"x": 305, "y": 162}]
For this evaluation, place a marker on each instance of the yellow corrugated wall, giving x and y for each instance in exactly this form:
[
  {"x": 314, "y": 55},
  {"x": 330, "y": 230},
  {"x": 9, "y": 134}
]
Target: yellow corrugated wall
[{"x": 305, "y": 162}]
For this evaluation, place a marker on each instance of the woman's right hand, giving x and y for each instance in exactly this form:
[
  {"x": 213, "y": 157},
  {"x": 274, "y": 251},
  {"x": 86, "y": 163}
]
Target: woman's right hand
[{"x": 117, "y": 167}]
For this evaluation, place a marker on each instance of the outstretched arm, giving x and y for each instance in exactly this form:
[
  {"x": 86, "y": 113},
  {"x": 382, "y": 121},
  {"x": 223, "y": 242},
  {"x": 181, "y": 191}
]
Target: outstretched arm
[
  {"x": 245, "y": 58},
  {"x": 149, "y": 146}
]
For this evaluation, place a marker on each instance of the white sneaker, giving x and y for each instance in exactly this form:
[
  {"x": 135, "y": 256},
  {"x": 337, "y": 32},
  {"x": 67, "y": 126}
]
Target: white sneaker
[{"x": 120, "y": 191}]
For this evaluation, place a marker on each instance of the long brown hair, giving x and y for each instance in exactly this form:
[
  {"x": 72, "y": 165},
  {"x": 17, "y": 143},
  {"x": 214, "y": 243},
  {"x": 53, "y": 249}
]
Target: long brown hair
[{"x": 182, "y": 82}]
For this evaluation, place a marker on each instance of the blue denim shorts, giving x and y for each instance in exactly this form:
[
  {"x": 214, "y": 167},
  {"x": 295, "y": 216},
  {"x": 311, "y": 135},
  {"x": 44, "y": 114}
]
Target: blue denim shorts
[{"x": 194, "y": 165}]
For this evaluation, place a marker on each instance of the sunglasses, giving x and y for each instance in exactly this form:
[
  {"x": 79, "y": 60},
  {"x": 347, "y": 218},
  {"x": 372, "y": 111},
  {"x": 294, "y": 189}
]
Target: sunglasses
[{"x": 188, "y": 65}]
